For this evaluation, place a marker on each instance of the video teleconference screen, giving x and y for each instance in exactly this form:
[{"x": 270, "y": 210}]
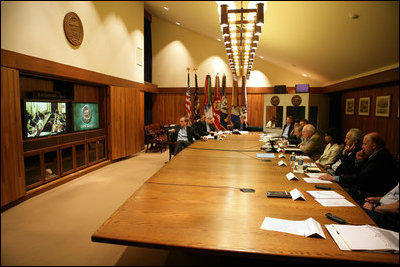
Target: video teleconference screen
[
  {"x": 85, "y": 116},
  {"x": 45, "y": 118}
]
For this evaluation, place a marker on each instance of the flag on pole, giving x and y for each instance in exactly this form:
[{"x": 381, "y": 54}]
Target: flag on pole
[
  {"x": 196, "y": 111},
  {"x": 235, "y": 110},
  {"x": 188, "y": 103},
  {"x": 217, "y": 105},
  {"x": 224, "y": 105},
  {"x": 208, "y": 112},
  {"x": 243, "y": 110}
]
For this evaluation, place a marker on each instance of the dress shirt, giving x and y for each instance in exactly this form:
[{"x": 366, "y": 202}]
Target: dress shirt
[
  {"x": 208, "y": 127},
  {"x": 286, "y": 131},
  {"x": 391, "y": 197},
  {"x": 182, "y": 135}
]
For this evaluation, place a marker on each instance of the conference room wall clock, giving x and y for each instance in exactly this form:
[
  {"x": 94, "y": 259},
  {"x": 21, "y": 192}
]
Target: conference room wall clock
[{"x": 73, "y": 29}]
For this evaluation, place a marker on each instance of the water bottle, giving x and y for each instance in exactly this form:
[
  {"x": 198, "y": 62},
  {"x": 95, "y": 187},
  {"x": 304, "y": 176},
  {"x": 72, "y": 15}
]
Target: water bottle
[
  {"x": 300, "y": 164},
  {"x": 292, "y": 160}
]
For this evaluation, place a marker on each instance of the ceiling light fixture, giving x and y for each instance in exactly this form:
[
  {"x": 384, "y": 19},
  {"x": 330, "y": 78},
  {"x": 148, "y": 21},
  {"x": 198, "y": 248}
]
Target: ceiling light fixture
[
  {"x": 177, "y": 23},
  {"x": 241, "y": 28},
  {"x": 166, "y": 8}
]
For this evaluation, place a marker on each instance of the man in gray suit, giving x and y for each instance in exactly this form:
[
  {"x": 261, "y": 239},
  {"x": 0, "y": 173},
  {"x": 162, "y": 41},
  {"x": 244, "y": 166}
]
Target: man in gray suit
[{"x": 313, "y": 145}]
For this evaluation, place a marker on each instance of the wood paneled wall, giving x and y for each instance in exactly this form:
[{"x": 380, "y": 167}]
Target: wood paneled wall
[
  {"x": 388, "y": 127},
  {"x": 169, "y": 107},
  {"x": 12, "y": 158},
  {"x": 126, "y": 121}
]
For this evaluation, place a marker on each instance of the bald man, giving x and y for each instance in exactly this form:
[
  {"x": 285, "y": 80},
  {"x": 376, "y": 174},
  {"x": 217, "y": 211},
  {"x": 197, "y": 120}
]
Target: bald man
[
  {"x": 376, "y": 170},
  {"x": 313, "y": 145}
]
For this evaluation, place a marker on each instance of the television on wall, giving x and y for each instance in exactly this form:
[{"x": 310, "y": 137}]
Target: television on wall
[
  {"x": 44, "y": 118},
  {"x": 302, "y": 88},
  {"x": 280, "y": 89},
  {"x": 85, "y": 116}
]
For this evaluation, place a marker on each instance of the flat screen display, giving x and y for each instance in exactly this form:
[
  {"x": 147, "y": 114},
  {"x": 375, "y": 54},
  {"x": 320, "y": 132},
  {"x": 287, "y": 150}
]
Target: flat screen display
[
  {"x": 302, "y": 88},
  {"x": 45, "y": 118},
  {"x": 86, "y": 116}
]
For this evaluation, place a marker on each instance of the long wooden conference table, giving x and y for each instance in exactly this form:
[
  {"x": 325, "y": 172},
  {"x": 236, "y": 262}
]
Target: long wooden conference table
[{"x": 194, "y": 203}]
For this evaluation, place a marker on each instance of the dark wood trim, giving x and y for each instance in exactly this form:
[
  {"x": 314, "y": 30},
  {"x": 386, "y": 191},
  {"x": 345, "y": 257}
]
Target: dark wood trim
[
  {"x": 147, "y": 15},
  {"x": 150, "y": 88},
  {"x": 373, "y": 79},
  {"x": 250, "y": 90},
  {"x": 50, "y": 69}
]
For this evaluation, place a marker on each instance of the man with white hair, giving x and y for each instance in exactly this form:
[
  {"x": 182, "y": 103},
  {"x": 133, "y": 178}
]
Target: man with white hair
[{"x": 313, "y": 145}]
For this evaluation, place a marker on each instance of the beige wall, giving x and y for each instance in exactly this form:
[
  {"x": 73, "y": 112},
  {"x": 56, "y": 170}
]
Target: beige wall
[
  {"x": 112, "y": 33},
  {"x": 176, "y": 48}
]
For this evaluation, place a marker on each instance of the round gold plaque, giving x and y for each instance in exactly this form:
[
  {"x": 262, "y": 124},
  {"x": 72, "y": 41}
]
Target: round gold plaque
[
  {"x": 275, "y": 100},
  {"x": 73, "y": 28},
  {"x": 296, "y": 100}
]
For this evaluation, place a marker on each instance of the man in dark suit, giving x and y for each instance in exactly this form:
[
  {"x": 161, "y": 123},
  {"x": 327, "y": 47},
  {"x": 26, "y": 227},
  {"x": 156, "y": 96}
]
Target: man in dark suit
[
  {"x": 204, "y": 127},
  {"x": 183, "y": 135},
  {"x": 347, "y": 159},
  {"x": 376, "y": 171},
  {"x": 242, "y": 125},
  {"x": 288, "y": 128}
]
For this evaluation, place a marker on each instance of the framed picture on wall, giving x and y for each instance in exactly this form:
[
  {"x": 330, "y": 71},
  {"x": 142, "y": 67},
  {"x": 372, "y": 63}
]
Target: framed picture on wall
[
  {"x": 382, "y": 108},
  {"x": 350, "y": 106},
  {"x": 363, "y": 106}
]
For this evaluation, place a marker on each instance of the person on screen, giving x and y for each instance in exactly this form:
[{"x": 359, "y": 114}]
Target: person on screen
[
  {"x": 376, "y": 170},
  {"x": 312, "y": 145},
  {"x": 288, "y": 128},
  {"x": 183, "y": 135},
  {"x": 332, "y": 149}
]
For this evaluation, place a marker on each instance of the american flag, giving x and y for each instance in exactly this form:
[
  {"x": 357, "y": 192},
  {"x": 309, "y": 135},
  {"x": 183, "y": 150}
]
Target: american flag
[{"x": 188, "y": 102}]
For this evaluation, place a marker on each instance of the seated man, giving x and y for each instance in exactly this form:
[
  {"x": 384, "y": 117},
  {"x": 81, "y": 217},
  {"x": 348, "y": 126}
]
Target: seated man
[
  {"x": 271, "y": 123},
  {"x": 376, "y": 172},
  {"x": 384, "y": 210},
  {"x": 296, "y": 123},
  {"x": 206, "y": 127},
  {"x": 200, "y": 126},
  {"x": 242, "y": 125},
  {"x": 303, "y": 122},
  {"x": 295, "y": 139},
  {"x": 183, "y": 134},
  {"x": 346, "y": 162},
  {"x": 288, "y": 128},
  {"x": 312, "y": 144},
  {"x": 332, "y": 149}
]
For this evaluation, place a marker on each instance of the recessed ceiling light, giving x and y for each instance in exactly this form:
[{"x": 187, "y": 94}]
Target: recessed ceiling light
[
  {"x": 304, "y": 75},
  {"x": 177, "y": 23},
  {"x": 261, "y": 57},
  {"x": 219, "y": 40},
  {"x": 166, "y": 8}
]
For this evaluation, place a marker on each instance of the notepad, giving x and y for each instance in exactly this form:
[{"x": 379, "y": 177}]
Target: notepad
[
  {"x": 291, "y": 176},
  {"x": 296, "y": 194},
  {"x": 364, "y": 238},
  {"x": 334, "y": 202},
  {"x": 265, "y": 155},
  {"x": 315, "y": 181},
  {"x": 309, "y": 227},
  {"x": 324, "y": 194},
  {"x": 314, "y": 175},
  {"x": 282, "y": 163}
]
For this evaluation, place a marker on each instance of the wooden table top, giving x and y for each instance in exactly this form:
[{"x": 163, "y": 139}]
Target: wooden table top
[{"x": 194, "y": 203}]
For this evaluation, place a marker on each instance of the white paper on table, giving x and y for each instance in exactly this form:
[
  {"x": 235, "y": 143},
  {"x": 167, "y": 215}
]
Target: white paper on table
[
  {"x": 303, "y": 157},
  {"x": 291, "y": 176},
  {"x": 282, "y": 163},
  {"x": 314, "y": 175},
  {"x": 334, "y": 202},
  {"x": 307, "y": 228},
  {"x": 282, "y": 156},
  {"x": 243, "y": 132},
  {"x": 265, "y": 155},
  {"x": 316, "y": 181},
  {"x": 279, "y": 149},
  {"x": 307, "y": 164},
  {"x": 295, "y": 170},
  {"x": 296, "y": 194},
  {"x": 324, "y": 194}
]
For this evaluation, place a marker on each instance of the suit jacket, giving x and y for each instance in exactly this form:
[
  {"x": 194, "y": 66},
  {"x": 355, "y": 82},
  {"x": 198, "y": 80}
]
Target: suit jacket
[
  {"x": 348, "y": 162},
  {"x": 291, "y": 128},
  {"x": 293, "y": 140},
  {"x": 330, "y": 155},
  {"x": 376, "y": 175},
  {"x": 191, "y": 133},
  {"x": 236, "y": 125},
  {"x": 201, "y": 128},
  {"x": 313, "y": 146}
]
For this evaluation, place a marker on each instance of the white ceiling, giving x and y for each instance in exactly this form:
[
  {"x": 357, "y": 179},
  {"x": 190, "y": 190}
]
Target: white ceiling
[{"x": 317, "y": 38}]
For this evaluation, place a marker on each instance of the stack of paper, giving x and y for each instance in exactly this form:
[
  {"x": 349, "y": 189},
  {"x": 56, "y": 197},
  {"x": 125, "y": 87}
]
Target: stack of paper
[
  {"x": 316, "y": 181},
  {"x": 363, "y": 238},
  {"x": 265, "y": 155},
  {"x": 309, "y": 227},
  {"x": 330, "y": 199},
  {"x": 314, "y": 175}
]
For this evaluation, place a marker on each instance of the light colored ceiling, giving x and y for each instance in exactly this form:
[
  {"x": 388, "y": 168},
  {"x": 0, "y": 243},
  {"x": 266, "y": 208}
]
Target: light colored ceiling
[{"x": 317, "y": 38}]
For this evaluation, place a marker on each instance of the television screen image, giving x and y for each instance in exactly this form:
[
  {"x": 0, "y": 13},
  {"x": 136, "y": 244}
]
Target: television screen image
[
  {"x": 45, "y": 118},
  {"x": 302, "y": 88},
  {"x": 86, "y": 116}
]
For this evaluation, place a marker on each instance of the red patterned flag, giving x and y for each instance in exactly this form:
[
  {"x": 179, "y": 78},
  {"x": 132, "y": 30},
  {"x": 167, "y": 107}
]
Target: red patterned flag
[
  {"x": 188, "y": 102},
  {"x": 217, "y": 105}
]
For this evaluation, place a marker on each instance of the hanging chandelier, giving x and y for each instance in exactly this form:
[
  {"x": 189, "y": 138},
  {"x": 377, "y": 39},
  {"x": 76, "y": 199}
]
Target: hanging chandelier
[{"x": 241, "y": 28}]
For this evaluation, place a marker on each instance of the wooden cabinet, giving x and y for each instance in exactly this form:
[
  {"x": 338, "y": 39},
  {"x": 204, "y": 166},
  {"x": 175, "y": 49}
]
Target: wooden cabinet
[{"x": 126, "y": 121}]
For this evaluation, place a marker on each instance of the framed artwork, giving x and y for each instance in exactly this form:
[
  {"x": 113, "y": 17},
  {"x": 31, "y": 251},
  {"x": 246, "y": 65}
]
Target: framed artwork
[
  {"x": 350, "y": 106},
  {"x": 382, "y": 108},
  {"x": 363, "y": 106}
]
